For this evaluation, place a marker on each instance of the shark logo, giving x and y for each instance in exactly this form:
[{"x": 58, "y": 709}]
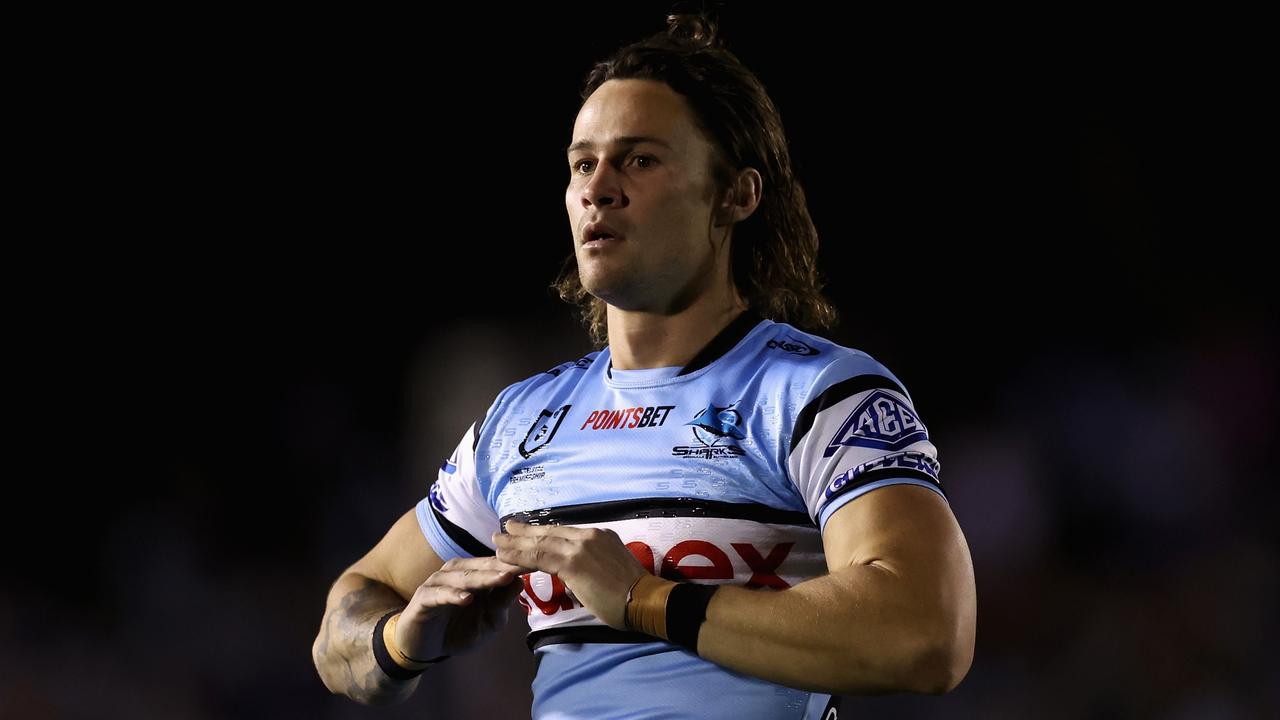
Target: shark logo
[
  {"x": 711, "y": 427},
  {"x": 881, "y": 421},
  {"x": 717, "y": 423}
]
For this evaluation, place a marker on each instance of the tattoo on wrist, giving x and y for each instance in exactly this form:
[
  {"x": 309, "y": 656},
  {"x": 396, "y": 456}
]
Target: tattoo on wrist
[{"x": 344, "y": 642}]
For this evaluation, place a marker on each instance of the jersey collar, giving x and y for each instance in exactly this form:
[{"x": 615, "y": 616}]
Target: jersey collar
[{"x": 722, "y": 343}]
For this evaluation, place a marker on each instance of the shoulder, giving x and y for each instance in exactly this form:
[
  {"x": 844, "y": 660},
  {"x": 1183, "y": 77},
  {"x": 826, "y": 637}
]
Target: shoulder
[
  {"x": 815, "y": 364},
  {"x": 557, "y": 381}
]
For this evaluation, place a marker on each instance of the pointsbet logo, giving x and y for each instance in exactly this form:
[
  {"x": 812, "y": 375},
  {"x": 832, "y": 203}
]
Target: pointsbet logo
[{"x": 628, "y": 418}]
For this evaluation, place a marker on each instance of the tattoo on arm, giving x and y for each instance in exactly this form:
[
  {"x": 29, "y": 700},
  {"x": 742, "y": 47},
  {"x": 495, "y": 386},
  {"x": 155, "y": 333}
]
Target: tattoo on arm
[{"x": 343, "y": 651}]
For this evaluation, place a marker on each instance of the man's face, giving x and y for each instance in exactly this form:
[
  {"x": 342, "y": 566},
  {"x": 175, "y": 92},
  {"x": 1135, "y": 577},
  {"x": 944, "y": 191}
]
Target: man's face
[{"x": 640, "y": 166}]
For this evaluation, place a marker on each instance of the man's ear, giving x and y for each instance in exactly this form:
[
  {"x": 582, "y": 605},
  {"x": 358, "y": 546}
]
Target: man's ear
[{"x": 741, "y": 197}]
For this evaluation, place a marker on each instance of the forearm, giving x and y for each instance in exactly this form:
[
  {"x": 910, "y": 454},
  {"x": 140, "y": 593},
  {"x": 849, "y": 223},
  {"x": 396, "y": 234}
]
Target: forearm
[
  {"x": 862, "y": 629},
  {"x": 343, "y": 650}
]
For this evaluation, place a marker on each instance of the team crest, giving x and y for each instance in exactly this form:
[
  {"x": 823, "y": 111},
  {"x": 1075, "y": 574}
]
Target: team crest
[
  {"x": 881, "y": 422},
  {"x": 543, "y": 429},
  {"x": 714, "y": 427},
  {"x": 714, "y": 424}
]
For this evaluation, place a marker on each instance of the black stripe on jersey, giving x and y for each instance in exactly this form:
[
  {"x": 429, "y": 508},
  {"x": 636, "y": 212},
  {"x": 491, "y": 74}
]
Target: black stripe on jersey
[
  {"x": 665, "y": 507},
  {"x": 462, "y": 537},
  {"x": 475, "y": 434},
  {"x": 722, "y": 343},
  {"x": 585, "y": 634},
  {"x": 833, "y": 395},
  {"x": 881, "y": 474}
]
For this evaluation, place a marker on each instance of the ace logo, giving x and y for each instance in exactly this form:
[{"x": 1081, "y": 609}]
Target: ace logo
[
  {"x": 763, "y": 571},
  {"x": 880, "y": 421}
]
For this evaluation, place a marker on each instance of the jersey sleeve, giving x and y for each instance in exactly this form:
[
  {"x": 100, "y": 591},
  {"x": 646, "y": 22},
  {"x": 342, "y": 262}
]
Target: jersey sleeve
[
  {"x": 858, "y": 431},
  {"x": 455, "y": 516}
]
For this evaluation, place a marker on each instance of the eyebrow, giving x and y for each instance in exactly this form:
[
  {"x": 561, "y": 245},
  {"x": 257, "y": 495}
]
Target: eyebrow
[{"x": 626, "y": 140}]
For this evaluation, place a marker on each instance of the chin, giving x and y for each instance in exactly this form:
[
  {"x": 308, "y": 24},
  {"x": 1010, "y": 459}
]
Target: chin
[
  {"x": 599, "y": 280},
  {"x": 615, "y": 291}
]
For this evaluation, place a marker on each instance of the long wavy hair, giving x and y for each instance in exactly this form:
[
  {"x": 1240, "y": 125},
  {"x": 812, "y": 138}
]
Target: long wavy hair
[{"x": 773, "y": 253}]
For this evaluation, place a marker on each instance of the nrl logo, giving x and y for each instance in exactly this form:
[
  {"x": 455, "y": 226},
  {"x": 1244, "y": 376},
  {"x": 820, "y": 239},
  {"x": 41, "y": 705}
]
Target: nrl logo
[{"x": 542, "y": 430}]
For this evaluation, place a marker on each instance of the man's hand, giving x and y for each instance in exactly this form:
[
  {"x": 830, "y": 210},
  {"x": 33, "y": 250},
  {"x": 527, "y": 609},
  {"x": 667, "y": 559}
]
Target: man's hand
[
  {"x": 592, "y": 562},
  {"x": 458, "y": 607}
]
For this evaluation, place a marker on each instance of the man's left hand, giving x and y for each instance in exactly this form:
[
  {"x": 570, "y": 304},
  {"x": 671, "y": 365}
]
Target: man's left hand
[{"x": 592, "y": 562}]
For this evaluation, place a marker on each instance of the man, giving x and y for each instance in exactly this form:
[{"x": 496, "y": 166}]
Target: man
[{"x": 716, "y": 515}]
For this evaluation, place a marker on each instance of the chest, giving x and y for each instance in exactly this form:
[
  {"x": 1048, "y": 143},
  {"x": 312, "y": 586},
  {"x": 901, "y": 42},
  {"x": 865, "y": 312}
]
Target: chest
[{"x": 612, "y": 446}]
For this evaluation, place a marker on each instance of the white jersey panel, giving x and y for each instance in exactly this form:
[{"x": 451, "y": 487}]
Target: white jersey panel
[
  {"x": 455, "y": 516},
  {"x": 710, "y": 550},
  {"x": 858, "y": 432}
]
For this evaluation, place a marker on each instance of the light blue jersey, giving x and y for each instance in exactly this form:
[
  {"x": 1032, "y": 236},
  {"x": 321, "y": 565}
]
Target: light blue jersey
[{"x": 721, "y": 472}]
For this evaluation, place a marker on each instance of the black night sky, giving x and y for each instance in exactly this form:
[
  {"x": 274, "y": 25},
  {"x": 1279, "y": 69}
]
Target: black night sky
[{"x": 1045, "y": 232}]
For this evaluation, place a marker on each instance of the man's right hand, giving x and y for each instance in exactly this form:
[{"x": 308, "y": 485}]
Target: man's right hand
[{"x": 458, "y": 607}]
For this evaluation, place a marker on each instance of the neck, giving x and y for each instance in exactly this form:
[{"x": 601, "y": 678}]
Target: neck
[{"x": 639, "y": 339}]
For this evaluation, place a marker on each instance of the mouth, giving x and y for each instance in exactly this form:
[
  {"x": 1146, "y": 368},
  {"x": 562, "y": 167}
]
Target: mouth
[{"x": 599, "y": 234}]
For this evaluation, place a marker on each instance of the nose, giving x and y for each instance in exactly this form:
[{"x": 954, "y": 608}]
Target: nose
[{"x": 604, "y": 188}]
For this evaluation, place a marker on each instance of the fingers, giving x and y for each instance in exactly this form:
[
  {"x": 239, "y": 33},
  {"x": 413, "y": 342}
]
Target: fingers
[
  {"x": 508, "y": 593},
  {"x": 515, "y": 527},
  {"x": 457, "y": 582},
  {"x": 541, "y": 551},
  {"x": 474, "y": 573}
]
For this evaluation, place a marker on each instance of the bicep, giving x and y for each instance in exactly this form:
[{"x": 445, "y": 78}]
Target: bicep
[
  {"x": 905, "y": 529},
  {"x": 924, "y": 577},
  {"x": 402, "y": 559}
]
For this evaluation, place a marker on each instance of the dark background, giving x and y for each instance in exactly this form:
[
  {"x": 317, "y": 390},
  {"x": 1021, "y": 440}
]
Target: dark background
[{"x": 335, "y": 239}]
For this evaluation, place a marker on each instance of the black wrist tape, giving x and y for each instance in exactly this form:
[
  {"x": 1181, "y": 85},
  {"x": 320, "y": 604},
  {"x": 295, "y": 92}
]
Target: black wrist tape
[
  {"x": 383, "y": 656},
  {"x": 686, "y": 611}
]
